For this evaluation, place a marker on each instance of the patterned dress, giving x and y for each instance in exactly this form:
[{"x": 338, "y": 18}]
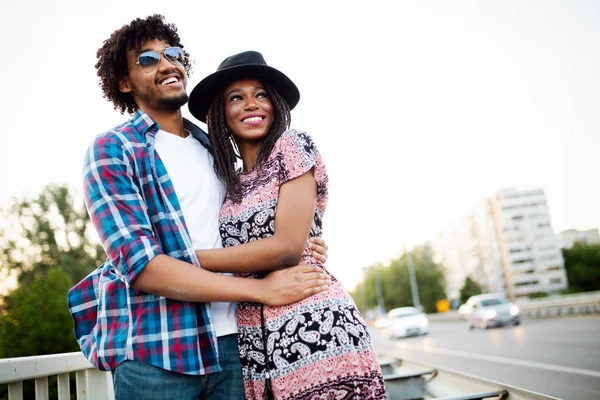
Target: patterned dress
[{"x": 318, "y": 348}]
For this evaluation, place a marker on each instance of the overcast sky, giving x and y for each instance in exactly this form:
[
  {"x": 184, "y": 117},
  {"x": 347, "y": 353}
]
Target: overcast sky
[{"x": 421, "y": 109}]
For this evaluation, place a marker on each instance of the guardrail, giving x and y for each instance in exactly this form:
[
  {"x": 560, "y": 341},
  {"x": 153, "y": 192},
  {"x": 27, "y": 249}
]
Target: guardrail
[
  {"x": 587, "y": 303},
  {"x": 410, "y": 380},
  {"x": 403, "y": 380},
  {"x": 573, "y": 304},
  {"x": 91, "y": 383}
]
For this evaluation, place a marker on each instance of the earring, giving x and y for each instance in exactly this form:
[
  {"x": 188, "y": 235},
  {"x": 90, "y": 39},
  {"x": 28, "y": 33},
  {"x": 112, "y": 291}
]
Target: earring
[{"x": 236, "y": 149}]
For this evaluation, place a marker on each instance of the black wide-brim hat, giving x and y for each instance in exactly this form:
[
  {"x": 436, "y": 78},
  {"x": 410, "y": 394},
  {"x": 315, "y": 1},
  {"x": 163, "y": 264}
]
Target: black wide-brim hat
[{"x": 249, "y": 64}]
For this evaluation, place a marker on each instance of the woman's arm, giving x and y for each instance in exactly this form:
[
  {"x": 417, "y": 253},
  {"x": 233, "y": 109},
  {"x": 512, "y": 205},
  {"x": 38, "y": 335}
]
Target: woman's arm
[{"x": 295, "y": 213}]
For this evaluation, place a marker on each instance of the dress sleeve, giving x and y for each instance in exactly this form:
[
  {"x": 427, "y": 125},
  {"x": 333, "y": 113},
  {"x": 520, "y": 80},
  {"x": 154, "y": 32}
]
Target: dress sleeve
[{"x": 298, "y": 155}]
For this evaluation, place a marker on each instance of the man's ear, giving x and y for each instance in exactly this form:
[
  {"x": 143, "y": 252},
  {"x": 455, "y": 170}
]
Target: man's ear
[{"x": 125, "y": 84}]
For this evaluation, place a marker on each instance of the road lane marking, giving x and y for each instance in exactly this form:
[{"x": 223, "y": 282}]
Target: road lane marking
[{"x": 496, "y": 359}]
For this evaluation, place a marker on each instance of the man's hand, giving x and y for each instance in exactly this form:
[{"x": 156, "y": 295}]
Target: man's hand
[
  {"x": 319, "y": 249},
  {"x": 293, "y": 284}
]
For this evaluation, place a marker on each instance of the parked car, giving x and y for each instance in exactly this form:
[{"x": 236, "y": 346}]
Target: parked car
[
  {"x": 406, "y": 321},
  {"x": 491, "y": 309}
]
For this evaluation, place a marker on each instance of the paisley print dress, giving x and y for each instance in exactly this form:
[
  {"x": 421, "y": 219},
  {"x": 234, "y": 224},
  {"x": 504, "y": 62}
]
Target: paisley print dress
[{"x": 318, "y": 348}]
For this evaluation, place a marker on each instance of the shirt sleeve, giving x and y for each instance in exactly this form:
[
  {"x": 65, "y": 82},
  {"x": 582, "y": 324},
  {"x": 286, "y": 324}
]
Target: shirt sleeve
[
  {"x": 298, "y": 154},
  {"x": 117, "y": 208}
]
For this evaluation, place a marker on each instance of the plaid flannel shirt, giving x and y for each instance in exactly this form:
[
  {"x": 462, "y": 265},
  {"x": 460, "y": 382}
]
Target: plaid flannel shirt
[{"x": 133, "y": 205}]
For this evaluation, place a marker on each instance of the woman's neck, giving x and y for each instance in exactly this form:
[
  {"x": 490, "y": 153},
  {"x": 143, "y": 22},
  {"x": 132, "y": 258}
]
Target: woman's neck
[{"x": 249, "y": 153}]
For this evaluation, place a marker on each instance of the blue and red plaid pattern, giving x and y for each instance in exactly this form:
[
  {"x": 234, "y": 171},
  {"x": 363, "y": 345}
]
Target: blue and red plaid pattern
[{"x": 135, "y": 210}]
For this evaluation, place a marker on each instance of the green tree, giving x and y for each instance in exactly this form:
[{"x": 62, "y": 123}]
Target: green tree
[
  {"x": 46, "y": 232},
  {"x": 395, "y": 283},
  {"x": 582, "y": 263},
  {"x": 45, "y": 240},
  {"x": 469, "y": 288},
  {"x": 38, "y": 321}
]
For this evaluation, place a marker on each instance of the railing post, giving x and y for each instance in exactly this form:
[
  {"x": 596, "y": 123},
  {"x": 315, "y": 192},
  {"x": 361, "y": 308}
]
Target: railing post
[
  {"x": 15, "y": 391},
  {"x": 64, "y": 389},
  {"x": 97, "y": 385},
  {"x": 82, "y": 386},
  {"x": 41, "y": 388}
]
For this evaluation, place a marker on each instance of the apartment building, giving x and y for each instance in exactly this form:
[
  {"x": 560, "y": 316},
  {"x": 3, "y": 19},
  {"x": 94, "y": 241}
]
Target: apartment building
[
  {"x": 507, "y": 244},
  {"x": 569, "y": 237}
]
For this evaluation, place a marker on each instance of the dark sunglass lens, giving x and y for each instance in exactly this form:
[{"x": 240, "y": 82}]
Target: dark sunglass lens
[
  {"x": 174, "y": 54},
  {"x": 149, "y": 59}
]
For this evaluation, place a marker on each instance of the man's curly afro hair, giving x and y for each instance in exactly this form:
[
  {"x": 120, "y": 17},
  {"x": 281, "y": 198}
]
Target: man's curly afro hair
[{"x": 112, "y": 56}]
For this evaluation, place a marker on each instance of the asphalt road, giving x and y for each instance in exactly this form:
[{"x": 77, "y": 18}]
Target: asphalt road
[{"x": 558, "y": 357}]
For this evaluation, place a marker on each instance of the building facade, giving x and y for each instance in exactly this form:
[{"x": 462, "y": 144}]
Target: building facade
[
  {"x": 507, "y": 244},
  {"x": 569, "y": 237}
]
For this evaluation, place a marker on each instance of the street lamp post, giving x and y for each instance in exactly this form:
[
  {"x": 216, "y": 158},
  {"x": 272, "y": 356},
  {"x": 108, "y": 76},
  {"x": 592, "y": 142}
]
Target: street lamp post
[
  {"x": 413, "y": 281},
  {"x": 379, "y": 291}
]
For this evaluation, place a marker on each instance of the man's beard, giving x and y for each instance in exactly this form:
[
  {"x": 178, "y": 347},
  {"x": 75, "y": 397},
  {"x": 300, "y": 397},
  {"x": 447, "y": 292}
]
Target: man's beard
[{"x": 173, "y": 103}]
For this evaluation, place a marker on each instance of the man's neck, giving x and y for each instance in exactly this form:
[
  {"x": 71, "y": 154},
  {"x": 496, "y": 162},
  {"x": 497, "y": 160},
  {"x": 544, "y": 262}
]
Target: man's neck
[{"x": 171, "y": 121}]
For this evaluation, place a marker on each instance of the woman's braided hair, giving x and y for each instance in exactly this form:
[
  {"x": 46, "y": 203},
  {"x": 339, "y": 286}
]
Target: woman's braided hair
[
  {"x": 222, "y": 143},
  {"x": 112, "y": 56}
]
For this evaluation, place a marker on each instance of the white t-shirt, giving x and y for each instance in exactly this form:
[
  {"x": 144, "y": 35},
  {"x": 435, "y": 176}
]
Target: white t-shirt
[{"x": 200, "y": 194}]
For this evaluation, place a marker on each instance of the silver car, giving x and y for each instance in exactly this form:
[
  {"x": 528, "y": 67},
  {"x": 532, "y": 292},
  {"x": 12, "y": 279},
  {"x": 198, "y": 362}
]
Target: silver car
[{"x": 491, "y": 309}]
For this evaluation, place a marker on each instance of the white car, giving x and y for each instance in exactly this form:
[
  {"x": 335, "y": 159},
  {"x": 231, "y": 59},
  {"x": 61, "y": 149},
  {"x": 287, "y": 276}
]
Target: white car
[
  {"x": 406, "y": 321},
  {"x": 491, "y": 309}
]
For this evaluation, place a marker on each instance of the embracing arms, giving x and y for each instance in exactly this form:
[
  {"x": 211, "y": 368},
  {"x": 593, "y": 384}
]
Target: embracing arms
[
  {"x": 121, "y": 218},
  {"x": 175, "y": 279},
  {"x": 295, "y": 213}
]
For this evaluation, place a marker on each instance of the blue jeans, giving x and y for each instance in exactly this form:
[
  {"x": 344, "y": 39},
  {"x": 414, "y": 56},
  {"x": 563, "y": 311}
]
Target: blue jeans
[{"x": 138, "y": 380}]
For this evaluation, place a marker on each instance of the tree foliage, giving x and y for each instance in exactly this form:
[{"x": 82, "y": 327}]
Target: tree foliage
[
  {"x": 46, "y": 242},
  {"x": 395, "y": 283},
  {"x": 46, "y": 232},
  {"x": 37, "y": 321},
  {"x": 582, "y": 263},
  {"x": 469, "y": 288}
]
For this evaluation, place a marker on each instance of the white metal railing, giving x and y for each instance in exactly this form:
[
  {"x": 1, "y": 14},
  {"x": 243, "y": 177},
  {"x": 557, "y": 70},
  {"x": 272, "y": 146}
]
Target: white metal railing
[
  {"x": 409, "y": 379},
  {"x": 91, "y": 383},
  {"x": 577, "y": 303}
]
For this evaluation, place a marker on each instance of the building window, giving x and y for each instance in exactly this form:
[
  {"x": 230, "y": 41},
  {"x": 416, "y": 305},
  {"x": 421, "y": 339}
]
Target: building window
[
  {"x": 525, "y": 260},
  {"x": 555, "y": 281},
  {"x": 526, "y": 272},
  {"x": 527, "y": 283}
]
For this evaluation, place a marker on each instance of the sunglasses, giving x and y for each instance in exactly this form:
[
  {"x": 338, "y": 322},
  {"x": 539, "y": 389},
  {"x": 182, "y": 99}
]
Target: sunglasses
[{"x": 149, "y": 60}]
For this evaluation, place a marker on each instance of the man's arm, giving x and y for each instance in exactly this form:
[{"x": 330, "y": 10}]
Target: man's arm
[
  {"x": 295, "y": 212},
  {"x": 175, "y": 279}
]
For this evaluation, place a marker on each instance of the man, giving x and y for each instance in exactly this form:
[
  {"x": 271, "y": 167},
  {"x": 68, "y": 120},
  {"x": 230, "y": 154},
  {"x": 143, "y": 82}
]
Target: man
[{"x": 165, "y": 327}]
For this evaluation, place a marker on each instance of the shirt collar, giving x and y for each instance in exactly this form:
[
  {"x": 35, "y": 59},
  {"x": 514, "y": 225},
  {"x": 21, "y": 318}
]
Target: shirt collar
[{"x": 144, "y": 124}]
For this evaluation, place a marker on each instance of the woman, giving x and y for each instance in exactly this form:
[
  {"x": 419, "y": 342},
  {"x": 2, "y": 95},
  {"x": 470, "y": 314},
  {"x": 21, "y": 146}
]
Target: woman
[{"x": 319, "y": 346}]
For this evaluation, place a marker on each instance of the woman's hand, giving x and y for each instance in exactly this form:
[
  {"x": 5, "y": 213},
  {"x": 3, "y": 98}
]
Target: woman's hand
[
  {"x": 319, "y": 249},
  {"x": 293, "y": 284}
]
